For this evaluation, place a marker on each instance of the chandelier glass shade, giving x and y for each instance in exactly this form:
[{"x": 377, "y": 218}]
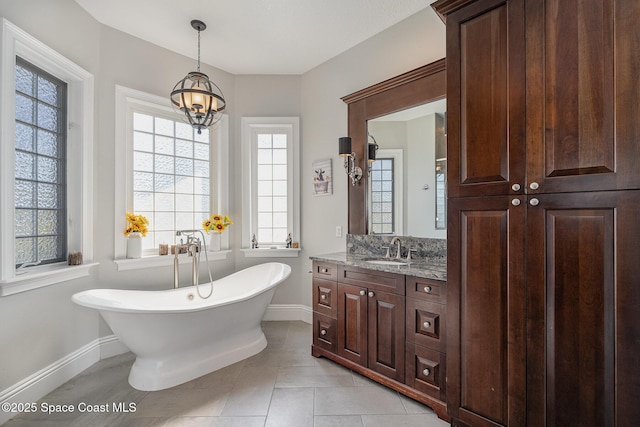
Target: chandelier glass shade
[{"x": 196, "y": 98}]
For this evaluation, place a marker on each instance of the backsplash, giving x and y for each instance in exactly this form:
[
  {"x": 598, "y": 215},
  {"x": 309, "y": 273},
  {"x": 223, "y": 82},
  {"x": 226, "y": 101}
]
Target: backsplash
[{"x": 375, "y": 245}]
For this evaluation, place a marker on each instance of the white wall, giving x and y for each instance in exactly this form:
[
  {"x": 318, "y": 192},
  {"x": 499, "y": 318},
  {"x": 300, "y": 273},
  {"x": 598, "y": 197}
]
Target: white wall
[{"x": 42, "y": 326}]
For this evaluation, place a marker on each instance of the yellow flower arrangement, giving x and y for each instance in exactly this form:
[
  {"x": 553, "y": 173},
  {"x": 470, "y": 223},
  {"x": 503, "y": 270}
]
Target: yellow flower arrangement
[
  {"x": 136, "y": 223},
  {"x": 217, "y": 223}
]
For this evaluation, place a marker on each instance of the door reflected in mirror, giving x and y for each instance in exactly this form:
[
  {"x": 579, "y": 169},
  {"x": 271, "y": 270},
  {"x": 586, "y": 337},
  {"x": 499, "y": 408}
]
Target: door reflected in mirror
[{"x": 407, "y": 182}]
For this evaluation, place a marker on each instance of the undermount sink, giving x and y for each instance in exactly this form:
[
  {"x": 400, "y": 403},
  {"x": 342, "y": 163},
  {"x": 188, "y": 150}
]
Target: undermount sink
[{"x": 386, "y": 262}]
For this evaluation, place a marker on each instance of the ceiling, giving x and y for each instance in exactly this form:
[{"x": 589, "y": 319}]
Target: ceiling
[{"x": 255, "y": 36}]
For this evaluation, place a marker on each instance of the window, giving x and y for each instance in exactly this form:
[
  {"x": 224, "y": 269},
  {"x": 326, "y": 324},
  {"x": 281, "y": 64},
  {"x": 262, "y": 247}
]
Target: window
[
  {"x": 46, "y": 164},
  {"x": 270, "y": 180},
  {"x": 169, "y": 170},
  {"x": 171, "y": 176},
  {"x": 40, "y": 166},
  {"x": 382, "y": 211},
  {"x": 385, "y": 193}
]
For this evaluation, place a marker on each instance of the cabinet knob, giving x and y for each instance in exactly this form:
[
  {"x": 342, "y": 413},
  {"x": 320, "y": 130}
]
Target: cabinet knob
[
  {"x": 534, "y": 185},
  {"x": 427, "y": 289},
  {"x": 515, "y": 202},
  {"x": 371, "y": 294},
  {"x": 323, "y": 296},
  {"x": 427, "y": 324},
  {"x": 324, "y": 270},
  {"x": 426, "y": 372},
  {"x": 515, "y": 187},
  {"x": 534, "y": 202},
  {"x": 323, "y": 332},
  {"x": 363, "y": 292}
]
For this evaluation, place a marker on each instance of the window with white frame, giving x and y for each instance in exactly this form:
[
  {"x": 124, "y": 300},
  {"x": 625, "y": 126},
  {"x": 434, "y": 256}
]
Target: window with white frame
[
  {"x": 270, "y": 148},
  {"x": 46, "y": 163},
  {"x": 173, "y": 175},
  {"x": 385, "y": 192},
  {"x": 40, "y": 166},
  {"x": 382, "y": 212}
]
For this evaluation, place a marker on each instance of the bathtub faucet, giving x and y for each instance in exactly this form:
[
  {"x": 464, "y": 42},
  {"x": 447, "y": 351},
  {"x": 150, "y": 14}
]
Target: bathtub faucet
[{"x": 192, "y": 247}]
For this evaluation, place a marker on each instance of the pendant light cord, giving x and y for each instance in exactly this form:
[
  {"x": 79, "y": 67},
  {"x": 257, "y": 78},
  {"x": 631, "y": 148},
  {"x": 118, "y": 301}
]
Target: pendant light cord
[{"x": 198, "y": 50}]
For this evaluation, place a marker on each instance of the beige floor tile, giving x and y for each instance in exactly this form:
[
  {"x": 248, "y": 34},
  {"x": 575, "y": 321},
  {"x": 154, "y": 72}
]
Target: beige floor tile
[
  {"x": 313, "y": 376},
  {"x": 184, "y": 402},
  {"x": 291, "y": 408},
  {"x": 280, "y": 387},
  {"x": 354, "y": 401},
  {"x": 251, "y": 393}
]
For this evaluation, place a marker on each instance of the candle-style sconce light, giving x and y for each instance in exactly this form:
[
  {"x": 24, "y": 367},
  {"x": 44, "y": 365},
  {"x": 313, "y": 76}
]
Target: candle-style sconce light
[
  {"x": 354, "y": 172},
  {"x": 372, "y": 151}
]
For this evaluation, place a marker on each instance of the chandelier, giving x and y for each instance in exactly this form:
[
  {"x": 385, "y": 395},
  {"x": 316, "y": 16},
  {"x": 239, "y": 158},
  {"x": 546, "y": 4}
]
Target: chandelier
[{"x": 196, "y": 98}]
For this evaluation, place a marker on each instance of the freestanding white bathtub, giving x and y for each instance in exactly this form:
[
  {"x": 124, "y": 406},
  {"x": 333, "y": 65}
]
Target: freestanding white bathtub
[{"x": 178, "y": 336}]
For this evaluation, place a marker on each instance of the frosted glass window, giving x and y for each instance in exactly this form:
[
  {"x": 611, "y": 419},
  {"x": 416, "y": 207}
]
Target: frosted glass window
[
  {"x": 272, "y": 184},
  {"x": 171, "y": 176},
  {"x": 40, "y": 166},
  {"x": 382, "y": 195}
]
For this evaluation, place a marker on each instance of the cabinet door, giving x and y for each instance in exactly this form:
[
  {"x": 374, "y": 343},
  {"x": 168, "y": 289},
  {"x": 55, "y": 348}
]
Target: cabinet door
[
  {"x": 486, "y": 311},
  {"x": 583, "y": 281},
  {"x": 485, "y": 98},
  {"x": 386, "y": 334},
  {"x": 582, "y": 95},
  {"x": 352, "y": 323}
]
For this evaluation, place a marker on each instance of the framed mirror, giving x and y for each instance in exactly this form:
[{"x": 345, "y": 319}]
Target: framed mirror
[
  {"x": 406, "y": 192},
  {"x": 376, "y": 104}
]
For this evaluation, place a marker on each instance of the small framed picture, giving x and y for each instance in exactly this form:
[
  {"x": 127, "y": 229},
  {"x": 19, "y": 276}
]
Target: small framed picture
[{"x": 322, "y": 178}]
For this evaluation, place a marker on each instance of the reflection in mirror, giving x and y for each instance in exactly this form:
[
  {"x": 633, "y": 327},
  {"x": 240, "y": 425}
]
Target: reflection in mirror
[{"x": 407, "y": 181}]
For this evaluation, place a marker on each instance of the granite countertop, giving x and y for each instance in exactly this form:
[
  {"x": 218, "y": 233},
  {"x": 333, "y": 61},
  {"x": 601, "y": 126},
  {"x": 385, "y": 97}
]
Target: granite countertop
[{"x": 427, "y": 268}]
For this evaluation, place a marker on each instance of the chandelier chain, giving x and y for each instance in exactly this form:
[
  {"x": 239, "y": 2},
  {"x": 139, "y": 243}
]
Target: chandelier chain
[{"x": 198, "y": 50}]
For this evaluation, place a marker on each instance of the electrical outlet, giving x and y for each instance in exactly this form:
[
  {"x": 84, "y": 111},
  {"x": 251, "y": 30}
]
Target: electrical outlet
[{"x": 338, "y": 231}]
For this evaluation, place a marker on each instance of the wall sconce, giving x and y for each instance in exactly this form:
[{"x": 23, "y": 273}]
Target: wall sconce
[
  {"x": 372, "y": 150},
  {"x": 354, "y": 172}
]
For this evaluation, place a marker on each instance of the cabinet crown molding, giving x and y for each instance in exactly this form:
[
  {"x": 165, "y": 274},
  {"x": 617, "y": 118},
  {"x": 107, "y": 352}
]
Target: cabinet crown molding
[{"x": 445, "y": 7}]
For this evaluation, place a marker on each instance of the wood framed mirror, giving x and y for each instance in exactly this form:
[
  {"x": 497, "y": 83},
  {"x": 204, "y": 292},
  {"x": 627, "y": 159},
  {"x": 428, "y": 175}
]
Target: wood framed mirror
[{"x": 411, "y": 89}]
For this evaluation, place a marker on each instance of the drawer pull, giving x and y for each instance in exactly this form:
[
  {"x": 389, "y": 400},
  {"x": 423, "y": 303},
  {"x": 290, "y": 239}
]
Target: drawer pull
[
  {"x": 324, "y": 270},
  {"x": 323, "y": 296},
  {"x": 427, "y": 324},
  {"x": 426, "y": 372},
  {"x": 371, "y": 294},
  {"x": 363, "y": 292},
  {"x": 323, "y": 332},
  {"x": 427, "y": 289}
]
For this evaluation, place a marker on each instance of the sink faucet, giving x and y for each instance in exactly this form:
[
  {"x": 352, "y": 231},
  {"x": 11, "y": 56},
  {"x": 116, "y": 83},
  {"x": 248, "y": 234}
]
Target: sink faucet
[{"x": 394, "y": 241}]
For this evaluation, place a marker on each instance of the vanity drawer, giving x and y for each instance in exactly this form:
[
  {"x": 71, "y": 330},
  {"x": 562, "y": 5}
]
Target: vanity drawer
[
  {"x": 426, "y": 323},
  {"x": 324, "y": 332},
  {"x": 371, "y": 279},
  {"x": 325, "y": 297},
  {"x": 427, "y": 289},
  {"x": 426, "y": 371},
  {"x": 325, "y": 270}
]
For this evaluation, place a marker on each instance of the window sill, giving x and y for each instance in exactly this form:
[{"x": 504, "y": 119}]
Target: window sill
[
  {"x": 44, "y": 276},
  {"x": 271, "y": 252},
  {"x": 165, "y": 260}
]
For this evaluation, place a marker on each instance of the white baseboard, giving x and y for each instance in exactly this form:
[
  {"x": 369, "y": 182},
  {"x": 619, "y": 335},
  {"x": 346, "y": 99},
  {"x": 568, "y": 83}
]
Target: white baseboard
[
  {"x": 111, "y": 346},
  {"x": 34, "y": 387},
  {"x": 289, "y": 312}
]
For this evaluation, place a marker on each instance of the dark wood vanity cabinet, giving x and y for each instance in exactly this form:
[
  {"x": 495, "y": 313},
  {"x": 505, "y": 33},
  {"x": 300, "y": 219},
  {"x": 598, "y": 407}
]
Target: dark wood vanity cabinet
[
  {"x": 386, "y": 326},
  {"x": 426, "y": 325},
  {"x": 543, "y": 295},
  {"x": 371, "y": 319}
]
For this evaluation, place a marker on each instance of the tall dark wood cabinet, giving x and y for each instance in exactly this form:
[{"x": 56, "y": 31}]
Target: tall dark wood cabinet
[{"x": 543, "y": 307}]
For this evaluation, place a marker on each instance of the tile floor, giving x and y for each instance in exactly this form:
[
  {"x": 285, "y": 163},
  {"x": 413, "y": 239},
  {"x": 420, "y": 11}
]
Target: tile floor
[{"x": 283, "y": 386}]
